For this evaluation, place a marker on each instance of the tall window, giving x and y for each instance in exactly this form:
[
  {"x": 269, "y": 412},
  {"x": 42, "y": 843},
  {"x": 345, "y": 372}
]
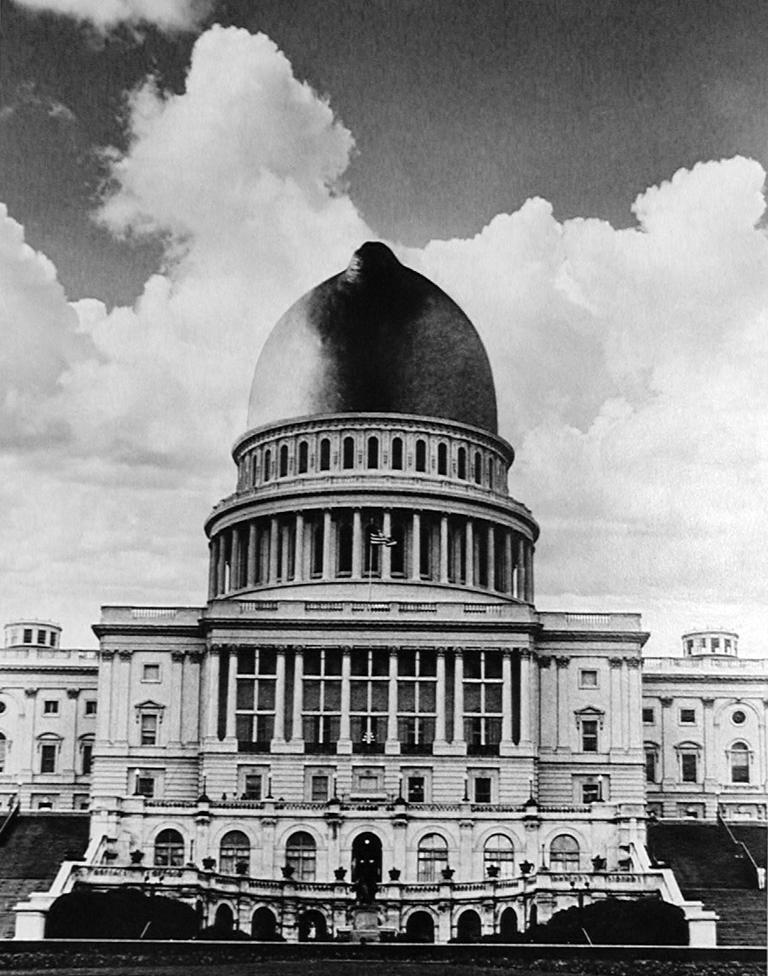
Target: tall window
[
  {"x": 148, "y": 727},
  {"x": 432, "y": 857},
  {"x": 482, "y": 701},
  {"x": 442, "y": 459},
  {"x": 235, "y": 849},
  {"x": 461, "y": 463},
  {"x": 499, "y": 852},
  {"x": 397, "y": 453},
  {"x": 416, "y": 694},
  {"x": 344, "y": 546},
  {"x": 267, "y": 464},
  {"x": 325, "y": 454},
  {"x": 283, "y": 461},
  {"x": 369, "y": 698},
  {"x": 255, "y": 706},
  {"x": 651, "y": 764},
  {"x": 3, "y": 751},
  {"x": 169, "y": 849},
  {"x": 321, "y": 714},
  {"x": 589, "y": 737},
  {"x": 478, "y": 472},
  {"x": 86, "y": 756},
  {"x": 564, "y": 854},
  {"x": 301, "y": 855},
  {"x": 739, "y": 762},
  {"x": 49, "y": 751},
  {"x": 689, "y": 765},
  {"x": 348, "y": 452},
  {"x": 373, "y": 452},
  {"x": 421, "y": 455}
]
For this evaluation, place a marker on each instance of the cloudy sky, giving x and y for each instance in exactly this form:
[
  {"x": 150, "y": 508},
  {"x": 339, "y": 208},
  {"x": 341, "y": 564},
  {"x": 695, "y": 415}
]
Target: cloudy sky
[{"x": 585, "y": 178}]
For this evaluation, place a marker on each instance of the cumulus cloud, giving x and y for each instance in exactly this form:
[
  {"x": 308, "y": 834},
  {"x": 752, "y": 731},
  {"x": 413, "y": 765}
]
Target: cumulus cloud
[
  {"x": 169, "y": 15},
  {"x": 629, "y": 363}
]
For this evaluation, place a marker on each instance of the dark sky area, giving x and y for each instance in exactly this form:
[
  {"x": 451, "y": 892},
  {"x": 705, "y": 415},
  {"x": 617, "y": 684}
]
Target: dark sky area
[{"x": 467, "y": 109}]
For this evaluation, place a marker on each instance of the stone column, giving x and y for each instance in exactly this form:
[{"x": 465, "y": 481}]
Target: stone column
[
  {"x": 563, "y": 704},
  {"x": 212, "y": 666},
  {"x": 232, "y": 693},
  {"x": 399, "y": 855},
  {"x": 123, "y": 689},
  {"x": 509, "y": 560},
  {"x": 234, "y": 562},
  {"x": 521, "y": 569},
  {"x": 327, "y": 526},
  {"x": 175, "y": 703},
  {"x": 212, "y": 568},
  {"x": 357, "y": 544},
  {"x": 221, "y": 549},
  {"x": 416, "y": 547},
  {"x": 470, "y": 552},
  {"x": 616, "y": 704},
  {"x": 668, "y": 772},
  {"x": 273, "y": 550},
  {"x": 252, "y": 553},
  {"x": 465, "y": 851},
  {"x": 709, "y": 770},
  {"x": 297, "y": 731},
  {"x": 285, "y": 550},
  {"x": 392, "y": 738},
  {"x": 440, "y": 700},
  {"x": 386, "y": 552},
  {"x": 529, "y": 573},
  {"x": 298, "y": 549},
  {"x": 279, "y": 734},
  {"x": 491, "y": 554},
  {"x": 526, "y": 697},
  {"x": 506, "y": 698},
  {"x": 344, "y": 723},
  {"x": 634, "y": 702},
  {"x": 443, "y": 548},
  {"x": 458, "y": 694}
]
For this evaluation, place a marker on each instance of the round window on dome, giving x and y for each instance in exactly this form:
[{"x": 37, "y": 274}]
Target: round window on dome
[
  {"x": 2, "y": 707},
  {"x": 738, "y": 717}
]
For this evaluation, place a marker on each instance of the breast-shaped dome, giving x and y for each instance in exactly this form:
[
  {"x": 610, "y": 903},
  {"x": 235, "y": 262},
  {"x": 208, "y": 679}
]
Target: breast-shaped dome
[{"x": 376, "y": 338}]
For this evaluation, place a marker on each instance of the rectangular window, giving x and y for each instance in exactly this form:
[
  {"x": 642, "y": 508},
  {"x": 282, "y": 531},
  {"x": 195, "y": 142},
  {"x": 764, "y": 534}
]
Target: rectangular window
[
  {"x": 87, "y": 757},
  {"x": 415, "y": 789},
  {"x": 52, "y": 638},
  {"x": 689, "y": 767},
  {"x": 648, "y": 718},
  {"x": 41, "y": 637},
  {"x": 48, "y": 758},
  {"x": 482, "y": 789},
  {"x": 687, "y": 716},
  {"x": 27, "y": 635},
  {"x": 319, "y": 784},
  {"x": 150, "y": 672},
  {"x": 589, "y": 735},
  {"x": 90, "y": 706},
  {"x": 50, "y": 707},
  {"x": 650, "y": 766},
  {"x": 145, "y": 786},
  {"x": 149, "y": 730},
  {"x": 252, "y": 786},
  {"x": 590, "y": 793},
  {"x": 588, "y": 679}
]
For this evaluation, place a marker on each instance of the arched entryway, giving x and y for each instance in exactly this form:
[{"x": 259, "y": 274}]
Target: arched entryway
[
  {"x": 366, "y": 858},
  {"x": 263, "y": 925},
  {"x": 420, "y": 927},
  {"x": 469, "y": 928},
  {"x": 312, "y": 927},
  {"x": 508, "y": 925},
  {"x": 224, "y": 920}
]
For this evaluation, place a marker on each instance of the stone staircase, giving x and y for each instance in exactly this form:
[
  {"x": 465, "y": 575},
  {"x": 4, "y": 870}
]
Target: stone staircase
[
  {"x": 31, "y": 849},
  {"x": 742, "y": 914}
]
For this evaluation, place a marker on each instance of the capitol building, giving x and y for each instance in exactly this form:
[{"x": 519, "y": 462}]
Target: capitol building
[{"x": 369, "y": 708}]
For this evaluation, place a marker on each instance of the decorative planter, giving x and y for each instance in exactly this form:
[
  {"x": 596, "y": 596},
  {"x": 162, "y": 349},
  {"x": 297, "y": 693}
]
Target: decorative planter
[
  {"x": 287, "y": 871},
  {"x": 136, "y": 857},
  {"x": 599, "y": 863},
  {"x": 209, "y": 863},
  {"x": 394, "y": 874},
  {"x": 526, "y": 867},
  {"x": 339, "y": 873},
  {"x": 493, "y": 870},
  {"x": 447, "y": 874}
]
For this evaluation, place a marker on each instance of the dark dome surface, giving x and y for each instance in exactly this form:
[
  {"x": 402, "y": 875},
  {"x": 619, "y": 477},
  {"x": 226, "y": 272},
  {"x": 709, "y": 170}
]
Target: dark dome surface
[{"x": 376, "y": 338}]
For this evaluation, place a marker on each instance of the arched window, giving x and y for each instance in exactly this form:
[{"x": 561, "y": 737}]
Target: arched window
[
  {"x": 303, "y": 457},
  {"x": 432, "y": 857},
  {"x": 373, "y": 452},
  {"x": 462, "y": 463},
  {"x": 564, "y": 853},
  {"x": 301, "y": 855},
  {"x": 499, "y": 853},
  {"x": 421, "y": 455},
  {"x": 3, "y": 750},
  {"x": 169, "y": 849},
  {"x": 442, "y": 459},
  {"x": 283, "y": 460},
  {"x": 348, "y": 452},
  {"x": 325, "y": 454},
  {"x": 267, "y": 464},
  {"x": 235, "y": 849},
  {"x": 478, "y": 467},
  {"x": 397, "y": 453},
  {"x": 739, "y": 762}
]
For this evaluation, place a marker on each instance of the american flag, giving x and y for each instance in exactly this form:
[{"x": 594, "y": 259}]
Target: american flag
[{"x": 379, "y": 539}]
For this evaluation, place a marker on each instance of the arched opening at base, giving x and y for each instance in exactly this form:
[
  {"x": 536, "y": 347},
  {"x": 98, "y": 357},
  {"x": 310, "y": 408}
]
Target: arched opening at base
[
  {"x": 312, "y": 927},
  {"x": 469, "y": 928},
  {"x": 224, "y": 920},
  {"x": 263, "y": 925},
  {"x": 508, "y": 931},
  {"x": 420, "y": 927}
]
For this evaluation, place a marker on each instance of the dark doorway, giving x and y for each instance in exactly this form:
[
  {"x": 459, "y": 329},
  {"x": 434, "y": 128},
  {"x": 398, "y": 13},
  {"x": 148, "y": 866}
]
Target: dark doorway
[
  {"x": 366, "y": 858},
  {"x": 224, "y": 919},
  {"x": 263, "y": 925},
  {"x": 508, "y": 925},
  {"x": 312, "y": 927},
  {"x": 420, "y": 927},
  {"x": 469, "y": 928}
]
